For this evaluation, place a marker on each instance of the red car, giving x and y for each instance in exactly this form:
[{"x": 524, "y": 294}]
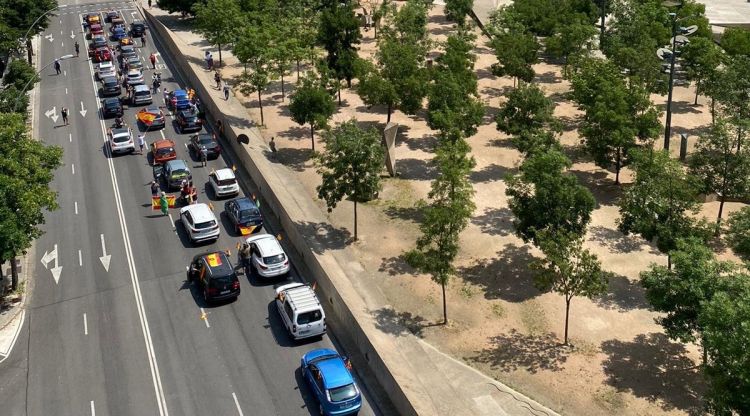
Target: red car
[
  {"x": 95, "y": 29},
  {"x": 162, "y": 151},
  {"x": 102, "y": 54}
]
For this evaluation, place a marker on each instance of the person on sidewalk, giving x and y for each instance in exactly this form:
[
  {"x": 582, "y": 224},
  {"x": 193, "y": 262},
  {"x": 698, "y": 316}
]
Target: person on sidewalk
[
  {"x": 64, "y": 113},
  {"x": 204, "y": 156},
  {"x": 57, "y": 66},
  {"x": 149, "y": 4},
  {"x": 152, "y": 58},
  {"x": 217, "y": 78},
  {"x": 226, "y": 91},
  {"x": 272, "y": 146},
  {"x": 143, "y": 40}
]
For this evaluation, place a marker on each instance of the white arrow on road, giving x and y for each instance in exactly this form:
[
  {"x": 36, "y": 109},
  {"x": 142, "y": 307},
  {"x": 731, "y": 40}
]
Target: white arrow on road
[
  {"x": 50, "y": 38},
  {"x": 52, "y": 114},
  {"x": 72, "y": 36},
  {"x": 105, "y": 258},
  {"x": 83, "y": 110},
  {"x": 52, "y": 255}
]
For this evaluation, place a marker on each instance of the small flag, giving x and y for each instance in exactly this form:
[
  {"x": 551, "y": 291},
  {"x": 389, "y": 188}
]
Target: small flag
[
  {"x": 278, "y": 237},
  {"x": 234, "y": 168},
  {"x": 315, "y": 285}
]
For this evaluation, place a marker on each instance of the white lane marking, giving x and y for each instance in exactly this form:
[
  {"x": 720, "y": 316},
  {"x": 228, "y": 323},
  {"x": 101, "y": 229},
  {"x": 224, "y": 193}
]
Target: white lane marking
[
  {"x": 204, "y": 316},
  {"x": 75, "y": 204},
  {"x": 73, "y": 168},
  {"x": 70, "y": 137},
  {"x": 162, "y": 134},
  {"x": 150, "y": 353},
  {"x": 105, "y": 258},
  {"x": 80, "y": 259},
  {"x": 66, "y": 90},
  {"x": 5, "y": 354},
  {"x": 171, "y": 220},
  {"x": 186, "y": 146},
  {"x": 237, "y": 403},
  {"x": 86, "y": 332},
  {"x": 93, "y": 411},
  {"x": 65, "y": 73}
]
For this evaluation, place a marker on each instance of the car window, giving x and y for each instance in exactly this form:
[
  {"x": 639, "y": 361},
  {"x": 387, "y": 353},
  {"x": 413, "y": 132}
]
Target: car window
[
  {"x": 289, "y": 311},
  {"x": 339, "y": 394},
  {"x": 318, "y": 378},
  {"x": 309, "y": 317},
  {"x": 279, "y": 258},
  {"x": 204, "y": 225},
  {"x": 225, "y": 182},
  {"x": 189, "y": 217},
  {"x": 164, "y": 151},
  {"x": 248, "y": 214}
]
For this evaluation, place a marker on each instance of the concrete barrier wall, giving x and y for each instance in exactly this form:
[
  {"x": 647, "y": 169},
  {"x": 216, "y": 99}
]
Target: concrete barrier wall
[{"x": 284, "y": 197}]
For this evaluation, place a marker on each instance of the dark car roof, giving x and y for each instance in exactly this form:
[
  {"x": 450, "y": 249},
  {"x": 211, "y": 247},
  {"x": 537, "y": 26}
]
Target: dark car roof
[
  {"x": 109, "y": 102},
  {"x": 244, "y": 203},
  {"x": 188, "y": 113},
  {"x": 138, "y": 23},
  {"x": 110, "y": 80},
  {"x": 204, "y": 138},
  {"x": 218, "y": 263}
]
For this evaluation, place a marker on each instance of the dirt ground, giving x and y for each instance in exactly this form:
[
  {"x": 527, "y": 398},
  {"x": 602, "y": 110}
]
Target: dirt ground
[{"x": 620, "y": 362}]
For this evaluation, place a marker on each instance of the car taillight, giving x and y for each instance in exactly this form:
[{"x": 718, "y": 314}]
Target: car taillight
[
  {"x": 262, "y": 266},
  {"x": 217, "y": 149},
  {"x": 236, "y": 285}
]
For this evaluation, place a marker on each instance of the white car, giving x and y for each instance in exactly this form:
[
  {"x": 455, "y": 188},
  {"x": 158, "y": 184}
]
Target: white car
[
  {"x": 268, "y": 258},
  {"x": 224, "y": 183},
  {"x": 200, "y": 223},
  {"x": 121, "y": 140},
  {"x": 134, "y": 77},
  {"x": 105, "y": 69}
]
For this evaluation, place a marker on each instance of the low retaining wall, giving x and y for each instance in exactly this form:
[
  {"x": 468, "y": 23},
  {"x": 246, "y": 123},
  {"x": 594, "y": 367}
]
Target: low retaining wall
[{"x": 284, "y": 197}]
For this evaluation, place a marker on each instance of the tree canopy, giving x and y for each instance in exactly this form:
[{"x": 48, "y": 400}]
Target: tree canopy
[
  {"x": 338, "y": 32},
  {"x": 218, "y": 21},
  {"x": 515, "y": 47},
  {"x": 527, "y": 116},
  {"x": 312, "y": 104}
]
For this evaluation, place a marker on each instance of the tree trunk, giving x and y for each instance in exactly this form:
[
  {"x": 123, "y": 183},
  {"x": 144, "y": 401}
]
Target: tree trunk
[
  {"x": 283, "y": 95},
  {"x": 297, "y": 71},
  {"x": 388, "y": 119},
  {"x": 220, "y": 55},
  {"x": 713, "y": 111},
  {"x": 260, "y": 105},
  {"x": 669, "y": 261},
  {"x": 722, "y": 199},
  {"x": 2, "y": 281},
  {"x": 618, "y": 166},
  {"x": 29, "y": 50},
  {"x": 312, "y": 136},
  {"x": 13, "y": 273},
  {"x": 567, "y": 316},
  {"x": 338, "y": 91},
  {"x": 739, "y": 137},
  {"x": 355, "y": 220},
  {"x": 445, "y": 307},
  {"x": 696, "y": 94},
  {"x": 705, "y": 353}
]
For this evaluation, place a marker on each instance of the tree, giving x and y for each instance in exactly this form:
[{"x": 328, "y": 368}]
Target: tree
[
  {"x": 725, "y": 320},
  {"x": 567, "y": 269},
  {"x": 453, "y": 101},
  {"x": 313, "y": 105},
  {"x": 515, "y": 48},
  {"x": 681, "y": 292},
  {"x": 20, "y": 74},
  {"x": 177, "y": 6},
  {"x": 736, "y": 41},
  {"x": 457, "y": 10},
  {"x": 528, "y": 115},
  {"x": 339, "y": 33},
  {"x": 26, "y": 168},
  {"x": 661, "y": 202},
  {"x": 11, "y": 100},
  {"x": 738, "y": 232},
  {"x": 700, "y": 59},
  {"x": 22, "y": 16},
  {"x": 732, "y": 92},
  {"x": 447, "y": 214},
  {"x": 252, "y": 49},
  {"x": 350, "y": 166},
  {"x": 545, "y": 198},
  {"x": 723, "y": 165},
  {"x": 218, "y": 21},
  {"x": 571, "y": 39}
]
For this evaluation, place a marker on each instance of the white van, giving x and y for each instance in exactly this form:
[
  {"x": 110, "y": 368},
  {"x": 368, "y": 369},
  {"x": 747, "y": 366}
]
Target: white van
[{"x": 300, "y": 311}]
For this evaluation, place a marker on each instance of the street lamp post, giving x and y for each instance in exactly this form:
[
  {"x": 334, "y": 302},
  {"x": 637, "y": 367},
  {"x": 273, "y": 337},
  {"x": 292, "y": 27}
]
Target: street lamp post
[
  {"x": 668, "y": 127},
  {"x": 26, "y": 36},
  {"x": 25, "y": 87}
]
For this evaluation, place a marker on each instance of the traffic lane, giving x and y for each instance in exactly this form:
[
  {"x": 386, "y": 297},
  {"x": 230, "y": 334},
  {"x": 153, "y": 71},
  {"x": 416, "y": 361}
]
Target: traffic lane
[{"x": 13, "y": 374}]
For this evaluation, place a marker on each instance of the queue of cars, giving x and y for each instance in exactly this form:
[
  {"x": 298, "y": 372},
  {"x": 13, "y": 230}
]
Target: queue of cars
[{"x": 301, "y": 312}]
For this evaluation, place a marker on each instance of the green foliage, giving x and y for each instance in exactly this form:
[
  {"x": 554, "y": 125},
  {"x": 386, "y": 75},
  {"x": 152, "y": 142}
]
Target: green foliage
[
  {"x": 725, "y": 320},
  {"x": 661, "y": 202},
  {"x": 545, "y": 198},
  {"x": 26, "y": 168},
  {"x": 731, "y": 90},
  {"x": 9, "y": 39},
  {"x": 528, "y": 117},
  {"x": 515, "y": 47},
  {"x": 618, "y": 115},
  {"x": 457, "y": 10},
  {"x": 681, "y": 292},
  {"x": 19, "y": 74},
  {"x": 700, "y": 59},
  {"x": 736, "y": 41},
  {"x": 11, "y": 100},
  {"x": 350, "y": 165},
  {"x": 738, "y": 232},
  {"x": 567, "y": 269},
  {"x": 312, "y": 104},
  {"x": 21, "y": 14},
  {"x": 447, "y": 214},
  {"x": 339, "y": 33},
  {"x": 571, "y": 39},
  {"x": 722, "y": 164},
  {"x": 177, "y": 6},
  {"x": 252, "y": 48},
  {"x": 410, "y": 23},
  {"x": 218, "y": 21},
  {"x": 453, "y": 100}
]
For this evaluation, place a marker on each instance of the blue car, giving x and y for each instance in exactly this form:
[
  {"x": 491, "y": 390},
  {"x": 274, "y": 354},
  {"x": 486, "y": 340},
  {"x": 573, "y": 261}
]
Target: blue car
[
  {"x": 178, "y": 100},
  {"x": 327, "y": 374},
  {"x": 119, "y": 33}
]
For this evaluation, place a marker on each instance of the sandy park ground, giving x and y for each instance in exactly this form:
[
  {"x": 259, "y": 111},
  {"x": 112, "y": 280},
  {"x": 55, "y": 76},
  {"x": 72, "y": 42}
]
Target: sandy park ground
[{"x": 620, "y": 362}]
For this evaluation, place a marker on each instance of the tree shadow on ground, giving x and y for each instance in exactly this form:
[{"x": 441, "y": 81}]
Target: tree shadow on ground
[
  {"x": 601, "y": 186},
  {"x": 489, "y": 173},
  {"x": 416, "y": 169},
  {"x": 296, "y": 133},
  {"x": 549, "y": 77},
  {"x": 426, "y": 143},
  {"x": 502, "y": 142},
  {"x": 395, "y": 265},
  {"x": 323, "y": 236},
  {"x": 570, "y": 123},
  {"x": 505, "y": 277},
  {"x": 235, "y": 121},
  {"x": 623, "y": 295},
  {"x": 413, "y": 213},
  {"x": 514, "y": 351},
  {"x": 399, "y": 324},
  {"x": 493, "y": 92},
  {"x": 692, "y": 133},
  {"x": 486, "y": 73},
  {"x": 618, "y": 242},
  {"x": 293, "y": 158},
  {"x": 495, "y": 221},
  {"x": 558, "y": 97},
  {"x": 680, "y": 107},
  {"x": 655, "y": 368}
]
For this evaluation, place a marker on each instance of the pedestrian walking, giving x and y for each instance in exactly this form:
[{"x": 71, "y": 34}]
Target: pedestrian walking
[
  {"x": 210, "y": 62},
  {"x": 220, "y": 127},
  {"x": 141, "y": 142},
  {"x": 152, "y": 58},
  {"x": 272, "y": 146},
  {"x": 217, "y": 78},
  {"x": 204, "y": 156},
  {"x": 57, "y": 66},
  {"x": 163, "y": 203},
  {"x": 154, "y": 189},
  {"x": 226, "y": 91},
  {"x": 166, "y": 97},
  {"x": 64, "y": 113},
  {"x": 149, "y": 4},
  {"x": 78, "y": 49},
  {"x": 206, "y": 57}
]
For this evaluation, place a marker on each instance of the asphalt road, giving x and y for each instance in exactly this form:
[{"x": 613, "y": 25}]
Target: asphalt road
[{"x": 134, "y": 338}]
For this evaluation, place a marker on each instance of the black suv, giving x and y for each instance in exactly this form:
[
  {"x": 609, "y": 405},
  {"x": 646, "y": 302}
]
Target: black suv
[
  {"x": 111, "y": 107},
  {"x": 137, "y": 28},
  {"x": 188, "y": 121},
  {"x": 214, "y": 274},
  {"x": 110, "y": 87}
]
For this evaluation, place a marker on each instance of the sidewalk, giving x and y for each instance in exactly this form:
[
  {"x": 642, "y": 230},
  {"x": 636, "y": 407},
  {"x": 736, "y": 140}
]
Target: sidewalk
[
  {"x": 13, "y": 314},
  {"x": 428, "y": 381}
]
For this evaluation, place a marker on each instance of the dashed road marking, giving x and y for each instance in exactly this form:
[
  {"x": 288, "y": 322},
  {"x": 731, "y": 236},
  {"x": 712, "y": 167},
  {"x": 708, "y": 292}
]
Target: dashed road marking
[
  {"x": 237, "y": 403},
  {"x": 86, "y": 332},
  {"x": 204, "y": 317}
]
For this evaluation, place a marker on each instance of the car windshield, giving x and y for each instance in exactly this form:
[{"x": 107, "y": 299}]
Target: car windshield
[
  {"x": 110, "y": 82},
  {"x": 248, "y": 214},
  {"x": 225, "y": 182},
  {"x": 228, "y": 279},
  {"x": 112, "y": 104},
  {"x": 308, "y": 317},
  {"x": 204, "y": 225},
  {"x": 164, "y": 151},
  {"x": 207, "y": 141},
  {"x": 274, "y": 259},
  {"x": 180, "y": 173},
  {"x": 339, "y": 394}
]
